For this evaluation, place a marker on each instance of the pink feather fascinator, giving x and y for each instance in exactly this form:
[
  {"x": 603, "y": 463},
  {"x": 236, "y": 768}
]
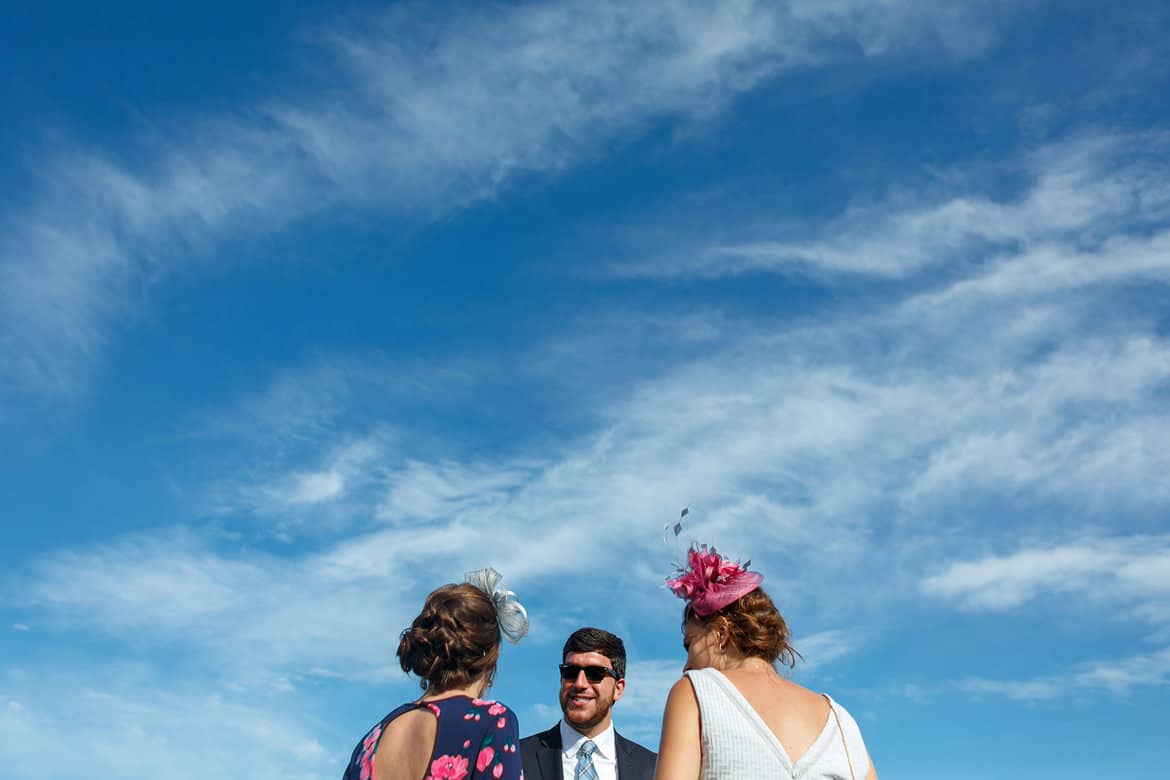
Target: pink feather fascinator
[{"x": 710, "y": 582}]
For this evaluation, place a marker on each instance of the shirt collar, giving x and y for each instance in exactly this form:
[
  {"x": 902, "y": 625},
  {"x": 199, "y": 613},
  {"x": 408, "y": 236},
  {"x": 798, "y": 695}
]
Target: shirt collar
[{"x": 571, "y": 740}]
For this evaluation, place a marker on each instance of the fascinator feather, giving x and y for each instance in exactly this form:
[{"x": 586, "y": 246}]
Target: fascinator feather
[
  {"x": 710, "y": 582},
  {"x": 510, "y": 613}
]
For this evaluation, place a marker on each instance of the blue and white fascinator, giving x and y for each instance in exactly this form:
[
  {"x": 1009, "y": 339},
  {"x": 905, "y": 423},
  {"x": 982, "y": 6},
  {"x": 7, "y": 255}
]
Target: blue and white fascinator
[{"x": 510, "y": 613}]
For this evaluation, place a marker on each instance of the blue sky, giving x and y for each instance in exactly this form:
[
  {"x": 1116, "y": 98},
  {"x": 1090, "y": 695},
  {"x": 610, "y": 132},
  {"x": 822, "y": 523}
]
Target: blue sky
[{"x": 305, "y": 310}]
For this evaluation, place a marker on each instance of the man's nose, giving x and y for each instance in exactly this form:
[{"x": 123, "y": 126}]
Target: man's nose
[{"x": 582, "y": 681}]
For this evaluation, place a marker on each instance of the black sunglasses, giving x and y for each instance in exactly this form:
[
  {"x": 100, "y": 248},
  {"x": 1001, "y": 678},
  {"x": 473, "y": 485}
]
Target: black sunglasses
[{"x": 593, "y": 674}]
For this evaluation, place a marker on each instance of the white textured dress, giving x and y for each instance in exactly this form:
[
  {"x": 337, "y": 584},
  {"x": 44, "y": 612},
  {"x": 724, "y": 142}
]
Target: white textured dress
[{"x": 738, "y": 745}]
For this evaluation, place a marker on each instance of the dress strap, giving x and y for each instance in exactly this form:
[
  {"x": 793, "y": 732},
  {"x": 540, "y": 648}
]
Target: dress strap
[{"x": 841, "y": 731}]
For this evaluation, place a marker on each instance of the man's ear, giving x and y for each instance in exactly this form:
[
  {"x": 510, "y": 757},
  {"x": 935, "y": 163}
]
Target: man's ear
[{"x": 619, "y": 688}]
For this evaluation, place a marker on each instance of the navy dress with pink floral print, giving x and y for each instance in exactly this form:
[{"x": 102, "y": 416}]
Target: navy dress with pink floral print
[{"x": 476, "y": 739}]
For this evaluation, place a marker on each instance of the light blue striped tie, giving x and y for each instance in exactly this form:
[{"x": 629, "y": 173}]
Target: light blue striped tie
[{"x": 585, "y": 770}]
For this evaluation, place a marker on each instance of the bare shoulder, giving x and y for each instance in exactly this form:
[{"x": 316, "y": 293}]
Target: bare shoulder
[
  {"x": 683, "y": 684},
  {"x": 787, "y": 695},
  {"x": 811, "y": 704},
  {"x": 406, "y": 745},
  {"x": 679, "y": 757},
  {"x": 797, "y": 691},
  {"x": 682, "y": 695}
]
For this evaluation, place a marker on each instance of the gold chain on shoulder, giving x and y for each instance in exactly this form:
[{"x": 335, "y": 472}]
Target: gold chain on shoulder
[{"x": 841, "y": 731}]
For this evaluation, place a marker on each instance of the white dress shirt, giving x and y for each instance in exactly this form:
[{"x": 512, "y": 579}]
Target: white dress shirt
[{"x": 604, "y": 758}]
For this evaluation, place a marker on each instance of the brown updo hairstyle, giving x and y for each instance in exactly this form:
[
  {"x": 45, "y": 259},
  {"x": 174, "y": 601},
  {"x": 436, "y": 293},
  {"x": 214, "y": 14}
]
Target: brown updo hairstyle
[
  {"x": 754, "y": 625},
  {"x": 453, "y": 641}
]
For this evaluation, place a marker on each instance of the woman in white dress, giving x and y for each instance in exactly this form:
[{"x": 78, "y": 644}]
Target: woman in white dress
[{"x": 731, "y": 715}]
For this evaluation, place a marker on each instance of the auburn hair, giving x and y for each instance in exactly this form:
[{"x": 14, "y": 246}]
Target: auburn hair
[
  {"x": 754, "y": 625},
  {"x": 453, "y": 641}
]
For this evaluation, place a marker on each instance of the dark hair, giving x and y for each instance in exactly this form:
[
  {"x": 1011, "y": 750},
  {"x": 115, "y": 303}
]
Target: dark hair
[
  {"x": 453, "y": 641},
  {"x": 754, "y": 625},
  {"x": 598, "y": 640}
]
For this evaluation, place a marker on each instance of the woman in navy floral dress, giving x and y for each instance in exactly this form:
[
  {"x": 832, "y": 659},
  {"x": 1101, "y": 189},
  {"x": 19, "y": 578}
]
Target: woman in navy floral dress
[{"x": 450, "y": 732}]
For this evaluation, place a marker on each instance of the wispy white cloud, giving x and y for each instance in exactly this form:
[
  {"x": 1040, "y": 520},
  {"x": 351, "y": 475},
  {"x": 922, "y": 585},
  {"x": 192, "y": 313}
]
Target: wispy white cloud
[
  {"x": 295, "y": 406},
  {"x": 1128, "y": 571},
  {"x": 648, "y": 683},
  {"x": 1052, "y": 424},
  {"x": 95, "y": 235},
  {"x": 536, "y": 87},
  {"x": 422, "y": 490},
  {"x": 437, "y": 112},
  {"x": 256, "y": 613},
  {"x": 824, "y": 647},
  {"x": 348, "y": 466},
  {"x": 639, "y": 713},
  {"x": 122, "y": 723},
  {"x": 1080, "y": 192},
  {"x": 315, "y": 487},
  {"x": 310, "y": 447},
  {"x": 1117, "y": 678},
  {"x": 995, "y": 374}
]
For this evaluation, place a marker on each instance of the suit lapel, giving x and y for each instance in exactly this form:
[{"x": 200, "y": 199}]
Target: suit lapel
[
  {"x": 550, "y": 758},
  {"x": 619, "y": 747}
]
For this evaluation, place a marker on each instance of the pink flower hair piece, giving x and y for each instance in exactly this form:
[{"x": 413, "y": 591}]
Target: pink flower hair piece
[{"x": 710, "y": 582}]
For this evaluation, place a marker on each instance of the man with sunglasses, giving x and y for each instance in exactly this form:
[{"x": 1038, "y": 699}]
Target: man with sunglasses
[{"x": 584, "y": 745}]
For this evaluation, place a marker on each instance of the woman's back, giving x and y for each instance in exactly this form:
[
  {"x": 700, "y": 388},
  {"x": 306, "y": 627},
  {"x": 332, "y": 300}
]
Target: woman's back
[
  {"x": 755, "y": 727},
  {"x": 459, "y": 736},
  {"x": 795, "y": 715},
  {"x": 406, "y": 748}
]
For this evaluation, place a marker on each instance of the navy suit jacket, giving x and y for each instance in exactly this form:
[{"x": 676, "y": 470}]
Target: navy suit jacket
[{"x": 540, "y": 756}]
